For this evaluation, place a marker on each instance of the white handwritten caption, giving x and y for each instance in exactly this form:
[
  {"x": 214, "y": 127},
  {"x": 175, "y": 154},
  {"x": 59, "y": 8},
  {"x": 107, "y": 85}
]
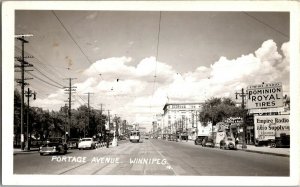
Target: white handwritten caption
[{"x": 110, "y": 160}]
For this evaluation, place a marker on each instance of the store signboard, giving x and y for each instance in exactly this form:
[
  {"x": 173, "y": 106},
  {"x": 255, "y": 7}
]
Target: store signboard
[
  {"x": 267, "y": 95},
  {"x": 269, "y": 127}
]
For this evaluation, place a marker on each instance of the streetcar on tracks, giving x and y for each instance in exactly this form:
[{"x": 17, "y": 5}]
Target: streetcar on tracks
[{"x": 135, "y": 136}]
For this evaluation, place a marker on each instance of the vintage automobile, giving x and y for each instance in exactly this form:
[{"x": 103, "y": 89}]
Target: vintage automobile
[
  {"x": 146, "y": 137},
  {"x": 53, "y": 148},
  {"x": 228, "y": 143},
  {"x": 208, "y": 142},
  {"x": 73, "y": 143},
  {"x": 199, "y": 139},
  {"x": 87, "y": 143}
]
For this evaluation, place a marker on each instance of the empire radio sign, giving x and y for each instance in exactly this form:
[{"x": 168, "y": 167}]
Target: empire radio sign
[{"x": 268, "y": 95}]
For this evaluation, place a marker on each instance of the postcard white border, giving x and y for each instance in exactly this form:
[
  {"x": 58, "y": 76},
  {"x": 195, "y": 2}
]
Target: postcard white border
[{"x": 8, "y": 9}]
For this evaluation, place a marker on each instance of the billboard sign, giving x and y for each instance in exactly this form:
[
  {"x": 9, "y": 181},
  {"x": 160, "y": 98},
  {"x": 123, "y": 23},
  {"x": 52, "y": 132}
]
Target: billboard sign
[
  {"x": 269, "y": 127},
  {"x": 268, "y": 95}
]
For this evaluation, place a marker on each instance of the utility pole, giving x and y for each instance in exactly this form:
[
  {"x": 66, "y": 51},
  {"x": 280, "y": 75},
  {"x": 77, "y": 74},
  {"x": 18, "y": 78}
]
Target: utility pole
[
  {"x": 28, "y": 95},
  {"x": 101, "y": 107},
  {"x": 21, "y": 81},
  {"x": 197, "y": 118},
  {"x": 115, "y": 119},
  {"x": 243, "y": 95},
  {"x": 69, "y": 90},
  {"x": 108, "y": 115},
  {"x": 88, "y": 112}
]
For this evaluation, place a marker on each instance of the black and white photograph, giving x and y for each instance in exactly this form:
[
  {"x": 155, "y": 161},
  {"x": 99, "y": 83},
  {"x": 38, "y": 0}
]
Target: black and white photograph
[{"x": 101, "y": 91}]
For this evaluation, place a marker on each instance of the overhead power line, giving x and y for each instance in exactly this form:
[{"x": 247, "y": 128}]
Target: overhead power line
[
  {"x": 43, "y": 80},
  {"x": 73, "y": 39},
  {"x": 156, "y": 58},
  {"x": 48, "y": 77},
  {"x": 79, "y": 101},
  {"x": 81, "y": 98},
  {"x": 267, "y": 25},
  {"x": 56, "y": 73}
]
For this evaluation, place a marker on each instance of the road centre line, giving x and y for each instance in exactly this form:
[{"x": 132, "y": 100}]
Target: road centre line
[{"x": 164, "y": 158}]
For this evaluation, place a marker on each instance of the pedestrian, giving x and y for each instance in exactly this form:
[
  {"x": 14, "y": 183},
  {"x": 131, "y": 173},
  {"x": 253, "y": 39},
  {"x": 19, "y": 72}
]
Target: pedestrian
[
  {"x": 236, "y": 140},
  {"x": 107, "y": 140}
]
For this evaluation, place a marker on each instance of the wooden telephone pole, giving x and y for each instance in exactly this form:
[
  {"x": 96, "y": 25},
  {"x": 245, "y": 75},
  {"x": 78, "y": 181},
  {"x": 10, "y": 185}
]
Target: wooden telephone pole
[
  {"x": 22, "y": 82},
  {"x": 69, "y": 90},
  {"x": 89, "y": 93},
  {"x": 243, "y": 95},
  {"x": 28, "y": 95}
]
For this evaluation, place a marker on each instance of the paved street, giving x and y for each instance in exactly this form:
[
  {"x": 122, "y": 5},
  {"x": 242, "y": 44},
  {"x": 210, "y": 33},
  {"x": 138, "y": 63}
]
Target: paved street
[{"x": 153, "y": 157}]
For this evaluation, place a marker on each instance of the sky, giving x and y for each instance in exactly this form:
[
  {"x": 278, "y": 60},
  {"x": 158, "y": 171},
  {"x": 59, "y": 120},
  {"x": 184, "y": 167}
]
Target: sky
[{"x": 134, "y": 62}]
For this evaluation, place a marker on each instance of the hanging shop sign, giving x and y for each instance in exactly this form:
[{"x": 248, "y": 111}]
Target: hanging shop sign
[
  {"x": 234, "y": 120},
  {"x": 268, "y": 95}
]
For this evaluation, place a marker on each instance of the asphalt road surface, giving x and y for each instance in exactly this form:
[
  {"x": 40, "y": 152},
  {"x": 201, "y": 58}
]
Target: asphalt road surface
[{"x": 153, "y": 157}]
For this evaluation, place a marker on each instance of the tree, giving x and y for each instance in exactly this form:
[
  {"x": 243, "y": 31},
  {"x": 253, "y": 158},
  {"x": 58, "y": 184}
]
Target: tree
[
  {"x": 217, "y": 109},
  {"x": 17, "y": 117},
  {"x": 80, "y": 123}
]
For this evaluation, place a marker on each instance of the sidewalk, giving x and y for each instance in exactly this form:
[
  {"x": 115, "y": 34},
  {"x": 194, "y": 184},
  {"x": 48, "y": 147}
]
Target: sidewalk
[
  {"x": 252, "y": 148},
  {"x": 19, "y": 151},
  {"x": 266, "y": 150}
]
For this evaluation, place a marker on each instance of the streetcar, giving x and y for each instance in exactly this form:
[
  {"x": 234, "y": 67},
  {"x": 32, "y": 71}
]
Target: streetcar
[{"x": 134, "y": 136}]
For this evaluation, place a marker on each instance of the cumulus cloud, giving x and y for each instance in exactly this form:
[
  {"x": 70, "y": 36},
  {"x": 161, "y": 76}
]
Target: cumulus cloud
[
  {"x": 131, "y": 90},
  {"x": 226, "y": 76},
  {"x": 53, "y": 101},
  {"x": 112, "y": 66}
]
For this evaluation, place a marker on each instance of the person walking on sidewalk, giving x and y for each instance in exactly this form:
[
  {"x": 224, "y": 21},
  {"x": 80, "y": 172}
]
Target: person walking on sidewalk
[
  {"x": 107, "y": 140},
  {"x": 236, "y": 140}
]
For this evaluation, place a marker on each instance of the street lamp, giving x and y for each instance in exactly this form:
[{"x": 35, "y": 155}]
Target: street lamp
[{"x": 243, "y": 94}]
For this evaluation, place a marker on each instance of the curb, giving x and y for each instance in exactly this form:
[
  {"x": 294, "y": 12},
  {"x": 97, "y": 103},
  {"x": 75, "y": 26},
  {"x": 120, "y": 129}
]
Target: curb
[
  {"x": 267, "y": 153},
  {"x": 262, "y": 152},
  {"x": 25, "y": 152}
]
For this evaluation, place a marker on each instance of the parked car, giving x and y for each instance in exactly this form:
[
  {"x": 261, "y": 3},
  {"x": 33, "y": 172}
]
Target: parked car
[
  {"x": 73, "y": 143},
  {"x": 86, "y": 143},
  {"x": 53, "y": 148},
  {"x": 228, "y": 143},
  {"x": 208, "y": 142},
  {"x": 199, "y": 139},
  {"x": 37, "y": 143}
]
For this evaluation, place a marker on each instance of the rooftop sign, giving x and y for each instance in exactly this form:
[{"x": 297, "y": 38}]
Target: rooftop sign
[{"x": 267, "y": 95}]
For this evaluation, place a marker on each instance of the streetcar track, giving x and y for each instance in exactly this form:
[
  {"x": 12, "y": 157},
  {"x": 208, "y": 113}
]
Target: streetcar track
[
  {"x": 192, "y": 167},
  {"x": 79, "y": 165},
  {"x": 164, "y": 158},
  {"x": 72, "y": 168},
  {"x": 93, "y": 173}
]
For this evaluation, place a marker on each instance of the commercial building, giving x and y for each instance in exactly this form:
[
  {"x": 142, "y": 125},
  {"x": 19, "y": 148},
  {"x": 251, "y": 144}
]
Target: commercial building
[{"x": 180, "y": 119}]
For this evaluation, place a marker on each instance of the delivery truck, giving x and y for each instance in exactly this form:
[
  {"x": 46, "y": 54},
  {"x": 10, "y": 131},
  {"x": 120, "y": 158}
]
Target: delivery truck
[
  {"x": 222, "y": 137},
  {"x": 272, "y": 130},
  {"x": 203, "y": 132}
]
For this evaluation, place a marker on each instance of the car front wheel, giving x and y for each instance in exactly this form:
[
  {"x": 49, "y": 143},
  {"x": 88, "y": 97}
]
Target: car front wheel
[{"x": 230, "y": 146}]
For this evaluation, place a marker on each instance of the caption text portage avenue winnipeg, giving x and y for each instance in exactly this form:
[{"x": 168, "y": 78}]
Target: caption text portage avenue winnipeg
[{"x": 108, "y": 160}]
